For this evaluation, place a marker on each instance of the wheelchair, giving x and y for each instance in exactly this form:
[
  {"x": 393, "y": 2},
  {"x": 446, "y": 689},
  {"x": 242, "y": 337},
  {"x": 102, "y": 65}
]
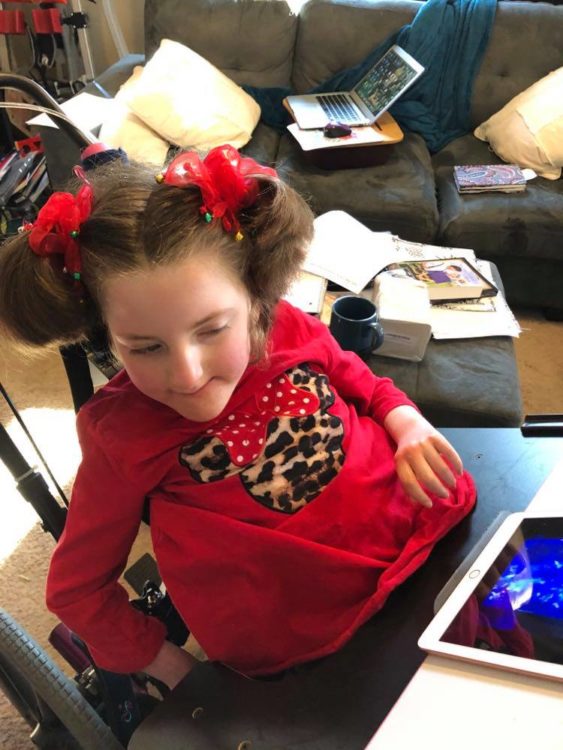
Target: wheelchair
[{"x": 97, "y": 708}]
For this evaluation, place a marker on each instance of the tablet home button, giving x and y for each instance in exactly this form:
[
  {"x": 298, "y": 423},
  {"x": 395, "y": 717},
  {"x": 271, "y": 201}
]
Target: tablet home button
[{"x": 475, "y": 573}]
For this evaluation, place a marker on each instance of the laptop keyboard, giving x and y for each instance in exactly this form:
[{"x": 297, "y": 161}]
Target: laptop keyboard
[{"x": 339, "y": 108}]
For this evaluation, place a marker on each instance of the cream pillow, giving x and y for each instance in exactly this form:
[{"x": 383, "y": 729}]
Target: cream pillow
[
  {"x": 191, "y": 103},
  {"x": 528, "y": 131},
  {"x": 123, "y": 129}
]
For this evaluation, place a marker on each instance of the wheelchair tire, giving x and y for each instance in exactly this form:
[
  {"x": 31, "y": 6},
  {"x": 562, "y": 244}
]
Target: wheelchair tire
[{"x": 45, "y": 697}]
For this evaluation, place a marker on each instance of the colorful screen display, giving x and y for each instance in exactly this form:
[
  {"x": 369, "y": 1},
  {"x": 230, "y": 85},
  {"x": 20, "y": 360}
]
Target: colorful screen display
[{"x": 517, "y": 608}]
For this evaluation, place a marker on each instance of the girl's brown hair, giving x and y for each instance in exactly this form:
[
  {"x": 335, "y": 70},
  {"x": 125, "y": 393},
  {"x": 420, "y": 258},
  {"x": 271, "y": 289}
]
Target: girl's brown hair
[{"x": 135, "y": 224}]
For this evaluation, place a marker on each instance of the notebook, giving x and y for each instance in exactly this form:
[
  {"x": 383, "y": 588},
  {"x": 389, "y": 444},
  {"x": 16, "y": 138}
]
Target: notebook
[
  {"x": 479, "y": 178},
  {"x": 384, "y": 83}
]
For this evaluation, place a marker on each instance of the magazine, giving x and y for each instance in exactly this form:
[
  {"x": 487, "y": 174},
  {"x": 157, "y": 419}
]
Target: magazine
[{"x": 446, "y": 280}]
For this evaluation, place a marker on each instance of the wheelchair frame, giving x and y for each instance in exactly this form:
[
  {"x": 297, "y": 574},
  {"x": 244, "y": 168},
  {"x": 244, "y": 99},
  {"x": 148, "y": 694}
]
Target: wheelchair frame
[{"x": 98, "y": 708}]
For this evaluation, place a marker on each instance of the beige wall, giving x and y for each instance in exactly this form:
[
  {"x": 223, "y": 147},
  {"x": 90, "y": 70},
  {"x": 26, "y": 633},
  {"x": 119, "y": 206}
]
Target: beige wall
[{"x": 129, "y": 14}]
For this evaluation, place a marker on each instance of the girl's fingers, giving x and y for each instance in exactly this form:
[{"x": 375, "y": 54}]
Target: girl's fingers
[
  {"x": 429, "y": 467},
  {"x": 428, "y": 470},
  {"x": 411, "y": 485},
  {"x": 421, "y": 464},
  {"x": 449, "y": 452},
  {"x": 438, "y": 466}
]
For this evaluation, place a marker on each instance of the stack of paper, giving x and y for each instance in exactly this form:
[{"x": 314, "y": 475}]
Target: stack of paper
[{"x": 349, "y": 254}]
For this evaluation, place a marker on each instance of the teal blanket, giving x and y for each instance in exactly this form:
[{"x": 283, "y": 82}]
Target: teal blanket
[{"x": 449, "y": 38}]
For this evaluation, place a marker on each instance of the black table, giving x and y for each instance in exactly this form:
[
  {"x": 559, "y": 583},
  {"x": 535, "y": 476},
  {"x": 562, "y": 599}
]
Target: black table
[{"x": 338, "y": 703}]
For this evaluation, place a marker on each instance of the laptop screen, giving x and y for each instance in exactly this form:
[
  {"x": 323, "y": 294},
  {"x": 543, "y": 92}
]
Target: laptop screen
[{"x": 386, "y": 81}]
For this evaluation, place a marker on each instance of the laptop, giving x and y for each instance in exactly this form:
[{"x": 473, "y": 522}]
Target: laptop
[{"x": 384, "y": 83}]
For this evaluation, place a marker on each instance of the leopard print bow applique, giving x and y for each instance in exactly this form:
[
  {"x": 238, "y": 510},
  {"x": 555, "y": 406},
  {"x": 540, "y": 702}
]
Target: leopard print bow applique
[{"x": 244, "y": 433}]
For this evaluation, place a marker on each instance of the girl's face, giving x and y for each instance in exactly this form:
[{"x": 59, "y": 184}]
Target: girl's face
[{"x": 182, "y": 333}]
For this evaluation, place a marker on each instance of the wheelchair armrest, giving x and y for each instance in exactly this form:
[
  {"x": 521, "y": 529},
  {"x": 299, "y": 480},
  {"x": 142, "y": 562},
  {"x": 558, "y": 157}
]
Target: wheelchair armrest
[{"x": 542, "y": 425}]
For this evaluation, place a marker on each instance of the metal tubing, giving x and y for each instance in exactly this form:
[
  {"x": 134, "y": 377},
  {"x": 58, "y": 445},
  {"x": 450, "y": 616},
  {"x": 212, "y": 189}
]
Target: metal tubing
[{"x": 33, "y": 89}]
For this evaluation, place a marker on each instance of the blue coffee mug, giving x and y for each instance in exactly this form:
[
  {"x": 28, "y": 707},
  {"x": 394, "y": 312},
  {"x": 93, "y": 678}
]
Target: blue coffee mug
[{"x": 354, "y": 324}]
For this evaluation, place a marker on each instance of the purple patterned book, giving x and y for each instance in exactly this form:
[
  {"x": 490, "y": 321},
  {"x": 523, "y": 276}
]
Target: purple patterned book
[{"x": 477, "y": 178}]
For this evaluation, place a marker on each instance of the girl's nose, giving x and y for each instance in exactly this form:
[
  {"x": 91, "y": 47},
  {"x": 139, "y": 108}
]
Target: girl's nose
[{"x": 186, "y": 370}]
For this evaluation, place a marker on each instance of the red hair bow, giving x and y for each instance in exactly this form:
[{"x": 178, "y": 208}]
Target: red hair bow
[
  {"x": 58, "y": 224},
  {"x": 226, "y": 180}
]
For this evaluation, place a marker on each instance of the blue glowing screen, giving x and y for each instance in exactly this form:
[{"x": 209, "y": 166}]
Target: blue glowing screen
[
  {"x": 517, "y": 606},
  {"x": 533, "y": 580}
]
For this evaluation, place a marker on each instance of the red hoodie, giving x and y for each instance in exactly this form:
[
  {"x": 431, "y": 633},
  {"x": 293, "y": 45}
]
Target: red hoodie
[{"x": 279, "y": 527}]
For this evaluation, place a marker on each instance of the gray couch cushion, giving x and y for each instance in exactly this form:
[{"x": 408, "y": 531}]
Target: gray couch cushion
[
  {"x": 337, "y": 34},
  {"x": 382, "y": 197},
  {"x": 111, "y": 79},
  {"x": 264, "y": 145},
  {"x": 519, "y": 232},
  {"x": 461, "y": 382},
  {"x": 526, "y": 44},
  {"x": 465, "y": 150},
  {"x": 505, "y": 225},
  {"x": 251, "y": 42}
]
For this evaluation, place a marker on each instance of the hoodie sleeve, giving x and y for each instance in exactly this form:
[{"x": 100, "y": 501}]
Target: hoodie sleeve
[{"x": 82, "y": 585}]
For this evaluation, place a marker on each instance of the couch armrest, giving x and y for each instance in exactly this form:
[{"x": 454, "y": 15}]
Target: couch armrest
[{"x": 111, "y": 79}]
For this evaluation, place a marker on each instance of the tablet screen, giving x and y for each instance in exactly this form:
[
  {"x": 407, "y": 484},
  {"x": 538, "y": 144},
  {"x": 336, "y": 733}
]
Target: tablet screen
[{"x": 517, "y": 607}]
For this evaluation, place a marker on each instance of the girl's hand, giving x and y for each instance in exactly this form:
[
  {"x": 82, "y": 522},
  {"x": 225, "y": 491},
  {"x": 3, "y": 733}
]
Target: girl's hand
[
  {"x": 170, "y": 665},
  {"x": 420, "y": 454}
]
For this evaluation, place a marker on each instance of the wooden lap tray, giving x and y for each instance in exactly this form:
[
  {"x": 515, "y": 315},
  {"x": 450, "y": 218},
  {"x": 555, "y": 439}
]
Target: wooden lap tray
[{"x": 348, "y": 156}]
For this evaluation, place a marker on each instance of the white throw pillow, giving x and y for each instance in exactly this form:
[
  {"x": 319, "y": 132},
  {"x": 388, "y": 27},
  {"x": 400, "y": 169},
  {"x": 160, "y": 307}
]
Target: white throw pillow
[
  {"x": 123, "y": 129},
  {"x": 190, "y": 102},
  {"x": 528, "y": 131}
]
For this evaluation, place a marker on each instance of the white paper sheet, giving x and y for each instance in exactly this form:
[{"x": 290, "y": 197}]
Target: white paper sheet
[
  {"x": 347, "y": 252},
  {"x": 309, "y": 140},
  {"x": 307, "y": 292},
  {"x": 86, "y": 111},
  {"x": 451, "y": 323}
]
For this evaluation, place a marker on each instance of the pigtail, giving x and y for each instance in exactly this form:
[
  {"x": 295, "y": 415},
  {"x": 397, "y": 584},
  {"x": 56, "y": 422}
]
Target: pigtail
[
  {"x": 278, "y": 229},
  {"x": 39, "y": 304}
]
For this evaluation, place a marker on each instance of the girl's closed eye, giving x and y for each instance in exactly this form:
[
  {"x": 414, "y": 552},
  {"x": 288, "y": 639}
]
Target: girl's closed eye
[
  {"x": 209, "y": 333},
  {"x": 151, "y": 349}
]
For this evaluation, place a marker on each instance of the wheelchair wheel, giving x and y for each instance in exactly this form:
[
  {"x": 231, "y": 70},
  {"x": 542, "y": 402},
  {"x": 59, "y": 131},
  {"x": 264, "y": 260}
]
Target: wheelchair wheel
[{"x": 51, "y": 703}]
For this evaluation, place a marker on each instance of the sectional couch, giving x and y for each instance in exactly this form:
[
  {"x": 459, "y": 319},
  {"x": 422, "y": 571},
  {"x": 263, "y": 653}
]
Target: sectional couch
[{"x": 262, "y": 43}]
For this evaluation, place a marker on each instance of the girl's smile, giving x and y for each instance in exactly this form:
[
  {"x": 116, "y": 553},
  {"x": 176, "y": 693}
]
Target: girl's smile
[{"x": 181, "y": 332}]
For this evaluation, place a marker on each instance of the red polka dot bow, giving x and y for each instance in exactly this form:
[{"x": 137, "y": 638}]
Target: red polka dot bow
[{"x": 244, "y": 433}]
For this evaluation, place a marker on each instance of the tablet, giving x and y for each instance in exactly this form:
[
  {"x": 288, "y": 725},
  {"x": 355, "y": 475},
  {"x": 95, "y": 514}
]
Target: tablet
[{"x": 507, "y": 609}]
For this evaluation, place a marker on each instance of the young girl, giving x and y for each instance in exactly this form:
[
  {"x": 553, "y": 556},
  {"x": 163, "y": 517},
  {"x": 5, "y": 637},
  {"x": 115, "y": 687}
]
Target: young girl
[{"x": 290, "y": 488}]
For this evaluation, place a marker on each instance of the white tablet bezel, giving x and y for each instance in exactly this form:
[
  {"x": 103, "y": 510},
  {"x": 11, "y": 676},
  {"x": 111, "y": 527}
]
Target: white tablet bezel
[{"x": 430, "y": 638}]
